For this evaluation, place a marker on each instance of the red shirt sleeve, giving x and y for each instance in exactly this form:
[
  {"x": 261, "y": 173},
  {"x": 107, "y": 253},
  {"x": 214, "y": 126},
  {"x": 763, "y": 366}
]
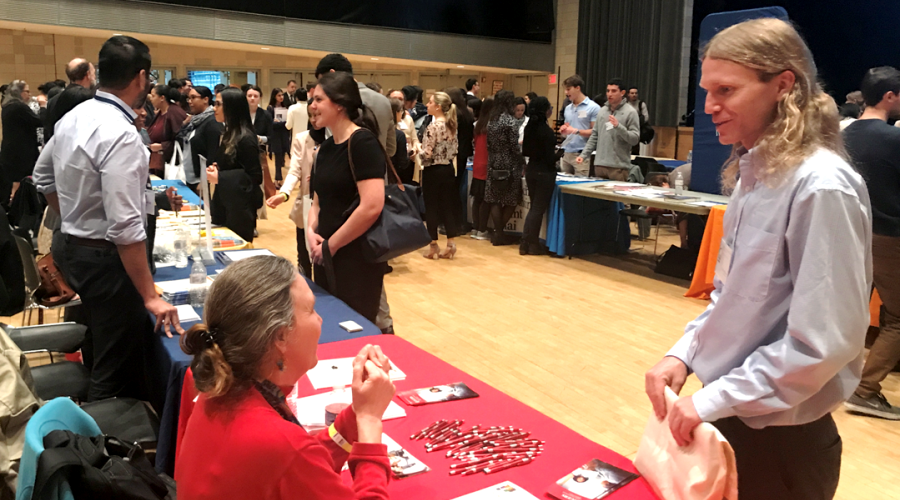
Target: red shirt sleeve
[{"x": 312, "y": 475}]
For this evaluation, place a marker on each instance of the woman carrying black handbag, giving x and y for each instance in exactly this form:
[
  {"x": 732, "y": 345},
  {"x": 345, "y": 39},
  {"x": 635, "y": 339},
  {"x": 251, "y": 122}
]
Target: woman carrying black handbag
[
  {"x": 503, "y": 189},
  {"x": 333, "y": 233}
]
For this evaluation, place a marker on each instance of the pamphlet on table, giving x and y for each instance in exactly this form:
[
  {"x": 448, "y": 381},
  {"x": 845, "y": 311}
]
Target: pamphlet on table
[
  {"x": 507, "y": 490},
  {"x": 330, "y": 373},
  {"x": 230, "y": 256},
  {"x": 593, "y": 480},
  {"x": 437, "y": 394},
  {"x": 186, "y": 313},
  {"x": 310, "y": 411}
]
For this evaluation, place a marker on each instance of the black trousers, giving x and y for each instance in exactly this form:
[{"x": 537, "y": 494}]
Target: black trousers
[
  {"x": 441, "y": 195},
  {"x": 119, "y": 342},
  {"x": 303, "y": 254},
  {"x": 798, "y": 462},
  {"x": 540, "y": 189},
  {"x": 357, "y": 282}
]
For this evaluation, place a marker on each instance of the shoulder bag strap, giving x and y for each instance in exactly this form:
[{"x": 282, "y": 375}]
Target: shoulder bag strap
[{"x": 387, "y": 160}]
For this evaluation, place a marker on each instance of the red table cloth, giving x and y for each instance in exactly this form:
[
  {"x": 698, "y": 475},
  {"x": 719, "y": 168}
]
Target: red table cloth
[{"x": 564, "y": 450}]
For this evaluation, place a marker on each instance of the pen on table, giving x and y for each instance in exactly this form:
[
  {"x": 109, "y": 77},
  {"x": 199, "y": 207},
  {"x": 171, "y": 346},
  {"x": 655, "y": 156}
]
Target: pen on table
[
  {"x": 421, "y": 434},
  {"x": 508, "y": 465}
]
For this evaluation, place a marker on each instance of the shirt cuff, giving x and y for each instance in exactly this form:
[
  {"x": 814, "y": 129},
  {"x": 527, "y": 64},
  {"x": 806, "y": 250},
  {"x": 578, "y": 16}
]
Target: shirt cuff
[
  {"x": 345, "y": 423},
  {"x": 682, "y": 349},
  {"x": 289, "y": 184},
  {"x": 49, "y": 188},
  {"x": 711, "y": 405}
]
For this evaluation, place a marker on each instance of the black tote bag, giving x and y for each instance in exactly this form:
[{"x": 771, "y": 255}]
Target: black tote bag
[{"x": 399, "y": 229}]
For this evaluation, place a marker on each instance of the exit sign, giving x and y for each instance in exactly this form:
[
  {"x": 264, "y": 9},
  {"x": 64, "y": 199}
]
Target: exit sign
[{"x": 552, "y": 79}]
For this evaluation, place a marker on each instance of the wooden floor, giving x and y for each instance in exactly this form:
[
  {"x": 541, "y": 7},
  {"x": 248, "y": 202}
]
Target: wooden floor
[{"x": 573, "y": 338}]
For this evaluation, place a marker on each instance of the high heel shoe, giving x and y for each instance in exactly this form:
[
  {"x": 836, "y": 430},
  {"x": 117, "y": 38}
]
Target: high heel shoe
[
  {"x": 450, "y": 251},
  {"x": 434, "y": 252}
]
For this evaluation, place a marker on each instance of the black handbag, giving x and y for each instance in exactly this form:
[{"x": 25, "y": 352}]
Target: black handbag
[
  {"x": 399, "y": 229},
  {"x": 500, "y": 179}
]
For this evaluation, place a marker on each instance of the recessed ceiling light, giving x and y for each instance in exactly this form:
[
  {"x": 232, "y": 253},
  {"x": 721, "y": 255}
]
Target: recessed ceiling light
[
  {"x": 374, "y": 58},
  {"x": 264, "y": 48},
  {"x": 460, "y": 66},
  {"x": 117, "y": 34}
]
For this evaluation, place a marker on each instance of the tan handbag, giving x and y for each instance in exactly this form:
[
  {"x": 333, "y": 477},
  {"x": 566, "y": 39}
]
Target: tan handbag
[
  {"x": 703, "y": 470},
  {"x": 54, "y": 291}
]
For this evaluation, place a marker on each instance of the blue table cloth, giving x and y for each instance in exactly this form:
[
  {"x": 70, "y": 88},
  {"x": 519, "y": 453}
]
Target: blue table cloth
[
  {"x": 578, "y": 225},
  {"x": 189, "y": 197},
  {"x": 171, "y": 363}
]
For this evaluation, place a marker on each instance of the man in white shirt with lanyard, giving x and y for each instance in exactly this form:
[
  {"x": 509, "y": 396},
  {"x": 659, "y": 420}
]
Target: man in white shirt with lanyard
[
  {"x": 94, "y": 173},
  {"x": 781, "y": 344}
]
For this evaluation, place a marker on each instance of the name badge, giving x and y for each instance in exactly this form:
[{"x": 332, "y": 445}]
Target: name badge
[
  {"x": 723, "y": 263},
  {"x": 149, "y": 202},
  {"x": 609, "y": 126},
  {"x": 582, "y": 113}
]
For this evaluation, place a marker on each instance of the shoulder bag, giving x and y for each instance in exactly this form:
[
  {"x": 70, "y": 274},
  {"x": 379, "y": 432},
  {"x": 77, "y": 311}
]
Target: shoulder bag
[{"x": 399, "y": 229}]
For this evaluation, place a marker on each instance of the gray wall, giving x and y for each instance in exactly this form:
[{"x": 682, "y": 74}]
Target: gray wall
[{"x": 161, "y": 19}]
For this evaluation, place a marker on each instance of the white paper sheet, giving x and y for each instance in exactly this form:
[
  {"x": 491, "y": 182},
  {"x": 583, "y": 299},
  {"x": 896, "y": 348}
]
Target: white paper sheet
[
  {"x": 330, "y": 373},
  {"x": 310, "y": 411},
  {"x": 175, "y": 286},
  {"x": 507, "y": 490},
  {"x": 236, "y": 255},
  {"x": 704, "y": 203},
  {"x": 186, "y": 313}
]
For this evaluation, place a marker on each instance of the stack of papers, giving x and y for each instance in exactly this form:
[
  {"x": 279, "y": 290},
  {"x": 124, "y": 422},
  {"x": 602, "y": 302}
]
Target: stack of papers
[
  {"x": 187, "y": 314},
  {"x": 310, "y": 411},
  {"x": 175, "y": 292},
  {"x": 642, "y": 192},
  {"x": 705, "y": 203},
  {"x": 228, "y": 257},
  {"x": 338, "y": 372}
]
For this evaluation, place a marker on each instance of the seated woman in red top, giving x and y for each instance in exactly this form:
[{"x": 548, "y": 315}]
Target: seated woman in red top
[{"x": 242, "y": 441}]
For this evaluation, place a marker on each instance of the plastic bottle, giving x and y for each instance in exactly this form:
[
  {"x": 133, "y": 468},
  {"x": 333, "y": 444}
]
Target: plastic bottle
[
  {"x": 679, "y": 184},
  {"x": 182, "y": 239},
  {"x": 198, "y": 281}
]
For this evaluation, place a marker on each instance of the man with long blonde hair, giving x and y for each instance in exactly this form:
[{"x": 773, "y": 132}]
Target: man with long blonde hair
[{"x": 781, "y": 344}]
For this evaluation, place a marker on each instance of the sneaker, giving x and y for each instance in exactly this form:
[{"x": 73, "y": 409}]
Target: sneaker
[
  {"x": 483, "y": 235},
  {"x": 474, "y": 234},
  {"x": 876, "y": 406}
]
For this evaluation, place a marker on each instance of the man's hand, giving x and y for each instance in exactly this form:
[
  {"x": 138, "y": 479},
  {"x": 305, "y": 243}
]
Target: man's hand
[
  {"x": 166, "y": 315},
  {"x": 275, "y": 200},
  {"x": 614, "y": 121},
  {"x": 579, "y": 160},
  {"x": 669, "y": 372},
  {"x": 566, "y": 129},
  {"x": 176, "y": 202},
  {"x": 682, "y": 421}
]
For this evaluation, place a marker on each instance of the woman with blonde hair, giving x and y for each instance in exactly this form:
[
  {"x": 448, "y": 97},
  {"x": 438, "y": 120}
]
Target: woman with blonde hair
[
  {"x": 781, "y": 344},
  {"x": 439, "y": 147},
  {"x": 242, "y": 441}
]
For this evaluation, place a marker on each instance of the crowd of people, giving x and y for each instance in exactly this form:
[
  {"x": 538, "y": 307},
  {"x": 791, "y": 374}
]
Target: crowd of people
[{"x": 776, "y": 350}]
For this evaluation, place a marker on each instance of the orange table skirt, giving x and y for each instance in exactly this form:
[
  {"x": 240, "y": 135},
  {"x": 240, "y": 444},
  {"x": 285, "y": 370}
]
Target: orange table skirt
[{"x": 705, "y": 270}]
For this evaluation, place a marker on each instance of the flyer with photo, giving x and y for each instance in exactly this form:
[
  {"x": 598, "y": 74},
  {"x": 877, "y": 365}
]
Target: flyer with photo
[
  {"x": 402, "y": 463},
  {"x": 593, "y": 480},
  {"x": 437, "y": 394}
]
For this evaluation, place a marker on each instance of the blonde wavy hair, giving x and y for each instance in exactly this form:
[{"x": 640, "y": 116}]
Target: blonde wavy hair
[
  {"x": 806, "y": 118},
  {"x": 443, "y": 100}
]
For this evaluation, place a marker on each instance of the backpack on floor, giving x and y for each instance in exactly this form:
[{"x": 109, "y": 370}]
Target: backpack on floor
[
  {"x": 96, "y": 467},
  {"x": 677, "y": 262}
]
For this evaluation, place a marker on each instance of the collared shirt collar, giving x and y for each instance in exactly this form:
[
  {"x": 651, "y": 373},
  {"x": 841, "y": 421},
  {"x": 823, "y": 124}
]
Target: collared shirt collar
[
  {"x": 112, "y": 100},
  {"x": 747, "y": 164}
]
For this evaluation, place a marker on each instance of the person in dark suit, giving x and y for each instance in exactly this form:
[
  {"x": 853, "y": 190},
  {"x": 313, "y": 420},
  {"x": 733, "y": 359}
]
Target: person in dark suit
[
  {"x": 264, "y": 126},
  {"x": 19, "y": 149},
  {"x": 289, "y": 90},
  {"x": 236, "y": 173},
  {"x": 82, "y": 77}
]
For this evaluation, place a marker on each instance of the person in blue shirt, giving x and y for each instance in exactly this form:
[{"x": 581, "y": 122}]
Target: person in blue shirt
[
  {"x": 781, "y": 344},
  {"x": 580, "y": 117}
]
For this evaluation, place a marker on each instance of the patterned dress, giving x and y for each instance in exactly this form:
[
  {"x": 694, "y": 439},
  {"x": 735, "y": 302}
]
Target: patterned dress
[{"x": 503, "y": 154}]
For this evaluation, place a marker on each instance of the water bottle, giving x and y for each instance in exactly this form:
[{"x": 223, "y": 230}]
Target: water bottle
[
  {"x": 182, "y": 239},
  {"x": 690, "y": 156},
  {"x": 679, "y": 184},
  {"x": 198, "y": 281}
]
